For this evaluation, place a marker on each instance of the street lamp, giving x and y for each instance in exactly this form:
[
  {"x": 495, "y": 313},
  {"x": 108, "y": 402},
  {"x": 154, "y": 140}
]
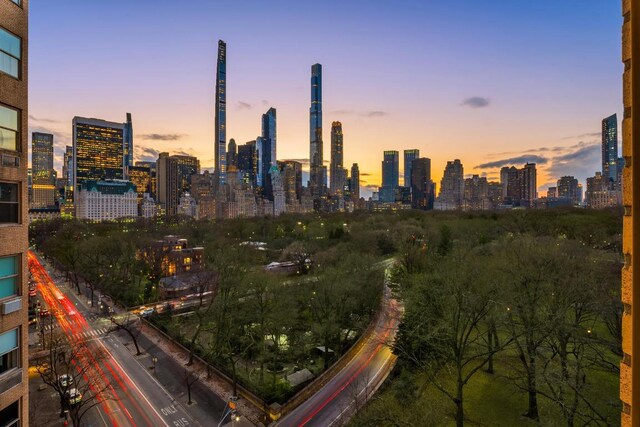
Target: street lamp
[
  {"x": 154, "y": 360},
  {"x": 230, "y": 409}
]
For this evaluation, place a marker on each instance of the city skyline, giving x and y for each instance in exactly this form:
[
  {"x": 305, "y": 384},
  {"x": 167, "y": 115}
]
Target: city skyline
[{"x": 497, "y": 115}]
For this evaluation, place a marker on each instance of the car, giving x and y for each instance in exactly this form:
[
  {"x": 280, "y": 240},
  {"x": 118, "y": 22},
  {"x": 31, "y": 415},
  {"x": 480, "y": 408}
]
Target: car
[
  {"x": 32, "y": 320},
  {"x": 65, "y": 380},
  {"x": 33, "y": 292},
  {"x": 147, "y": 312},
  {"x": 73, "y": 396},
  {"x": 44, "y": 312}
]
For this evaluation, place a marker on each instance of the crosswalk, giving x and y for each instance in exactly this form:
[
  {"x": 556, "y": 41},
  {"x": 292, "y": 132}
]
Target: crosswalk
[{"x": 93, "y": 333}]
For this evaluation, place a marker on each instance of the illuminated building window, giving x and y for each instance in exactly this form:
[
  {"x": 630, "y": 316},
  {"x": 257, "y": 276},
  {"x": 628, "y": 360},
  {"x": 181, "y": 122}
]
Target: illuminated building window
[
  {"x": 10, "y": 47},
  {"x": 9, "y": 124}
]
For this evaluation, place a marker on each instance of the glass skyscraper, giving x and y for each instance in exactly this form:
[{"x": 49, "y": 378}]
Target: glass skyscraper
[
  {"x": 318, "y": 175},
  {"x": 390, "y": 176},
  {"x": 409, "y": 156},
  {"x": 220, "y": 149},
  {"x": 337, "y": 172},
  {"x": 267, "y": 151},
  {"x": 128, "y": 142},
  {"x": 610, "y": 149},
  {"x": 44, "y": 188}
]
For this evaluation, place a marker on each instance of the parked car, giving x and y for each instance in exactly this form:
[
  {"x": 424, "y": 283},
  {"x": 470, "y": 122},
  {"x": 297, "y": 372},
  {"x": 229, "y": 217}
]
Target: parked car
[
  {"x": 73, "y": 396},
  {"x": 44, "y": 312},
  {"x": 65, "y": 380},
  {"x": 147, "y": 312}
]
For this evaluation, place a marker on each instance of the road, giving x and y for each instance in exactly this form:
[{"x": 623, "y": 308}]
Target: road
[
  {"x": 353, "y": 386},
  {"x": 125, "y": 374}
]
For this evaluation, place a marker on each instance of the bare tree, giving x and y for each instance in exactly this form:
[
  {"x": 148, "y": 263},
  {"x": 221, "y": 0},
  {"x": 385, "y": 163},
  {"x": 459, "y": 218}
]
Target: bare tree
[
  {"x": 131, "y": 325},
  {"x": 189, "y": 378},
  {"x": 71, "y": 370}
]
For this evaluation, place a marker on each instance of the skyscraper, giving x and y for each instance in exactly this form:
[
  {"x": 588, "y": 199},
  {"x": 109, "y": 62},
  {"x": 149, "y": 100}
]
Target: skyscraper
[
  {"x": 128, "y": 142},
  {"x": 14, "y": 220},
  {"x": 529, "y": 184},
  {"x": 568, "y": 189},
  {"x": 318, "y": 174},
  {"x": 421, "y": 185},
  {"x": 98, "y": 150},
  {"x": 452, "y": 186},
  {"x": 43, "y": 175},
  {"x": 409, "y": 156},
  {"x": 232, "y": 154},
  {"x": 292, "y": 176},
  {"x": 173, "y": 179},
  {"x": 390, "y": 176},
  {"x": 610, "y": 149},
  {"x": 268, "y": 151},
  {"x": 354, "y": 187},
  {"x": 337, "y": 159},
  {"x": 221, "y": 114},
  {"x": 248, "y": 163}
]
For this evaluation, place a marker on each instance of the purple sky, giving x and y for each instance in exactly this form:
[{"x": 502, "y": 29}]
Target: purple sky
[{"x": 485, "y": 82}]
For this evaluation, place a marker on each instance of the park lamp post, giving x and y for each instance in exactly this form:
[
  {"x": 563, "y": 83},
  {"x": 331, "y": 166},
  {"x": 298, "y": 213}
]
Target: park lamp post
[
  {"x": 230, "y": 409},
  {"x": 154, "y": 360}
]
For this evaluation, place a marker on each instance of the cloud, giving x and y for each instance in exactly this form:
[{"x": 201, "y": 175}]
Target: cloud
[
  {"x": 36, "y": 119},
  {"x": 513, "y": 161},
  {"x": 240, "y": 105},
  {"x": 365, "y": 174},
  {"x": 265, "y": 102},
  {"x": 476, "y": 102},
  {"x": 161, "y": 136},
  {"x": 372, "y": 187},
  {"x": 584, "y": 135},
  {"x": 145, "y": 154},
  {"x": 181, "y": 153},
  {"x": 365, "y": 113}
]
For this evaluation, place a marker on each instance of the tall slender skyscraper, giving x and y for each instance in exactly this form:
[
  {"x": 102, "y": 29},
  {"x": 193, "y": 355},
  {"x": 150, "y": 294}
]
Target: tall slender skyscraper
[
  {"x": 318, "y": 175},
  {"x": 337, "y": 159},
  {"x": 610, "y": 149},
  {"x": 268, "y": 151},
  {"x": 221, "y": 114},
  {"x": 354, "y": 187},
  {"x": 232, "y": 154},
  {"x": 409, "y": 156},
  {"x": 128, "y": 142}
]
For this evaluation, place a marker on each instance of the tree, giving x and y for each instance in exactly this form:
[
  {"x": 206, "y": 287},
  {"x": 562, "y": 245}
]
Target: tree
[
  {"x": 129, "y": 324},
  {"x": 76, "y": 367},
  {"x": 446, "y": 330},
  {"x": 189, "y": 378}
]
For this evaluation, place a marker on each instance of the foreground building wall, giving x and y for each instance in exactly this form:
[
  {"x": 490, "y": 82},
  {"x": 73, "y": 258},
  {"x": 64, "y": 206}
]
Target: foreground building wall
[
  {"x": 14, "y": 406},
  {"x": 630, "y": 365}
]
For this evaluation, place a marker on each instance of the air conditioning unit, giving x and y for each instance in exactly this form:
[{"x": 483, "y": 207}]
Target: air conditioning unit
[{"x": 11, "y": 305}]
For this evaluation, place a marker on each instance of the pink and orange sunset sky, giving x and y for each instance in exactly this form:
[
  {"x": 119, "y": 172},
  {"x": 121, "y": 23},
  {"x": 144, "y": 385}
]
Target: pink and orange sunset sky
[{"x": 493, "y": 83}]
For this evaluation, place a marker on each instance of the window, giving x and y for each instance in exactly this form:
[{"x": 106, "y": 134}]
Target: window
[
  {"x": 10, "y": 48},
  {"x": 9, "y": 123},
  {"x": 9, "y": 268},
  {"x": 9, "y": 351},
  {"x": 18, "y": 2},
  {"x": 10, "y": 416},
  {"x": 9, "y": 203}
]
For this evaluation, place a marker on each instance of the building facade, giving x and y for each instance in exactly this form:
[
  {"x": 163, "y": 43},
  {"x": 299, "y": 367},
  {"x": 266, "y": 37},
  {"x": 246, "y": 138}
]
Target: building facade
[
  {"x": 127, "y": 137},
  {"x": 409, "y": 156},
  {"x": 390, "y": 176},
  {"x": 318, "y": 172},
  {"x": 451, "y": 186},
  {"x": 610, "y": 149},
  {"x": 354, "y": 182},
  {"x": 220, "y": 145},
  {"x": 42, "y": 172},
  {"x": 422, "y": 187},
  {"x": 14, "y": 390},
  {"x": 106, "y": 200},
  {"x": 336, "y": 170}
]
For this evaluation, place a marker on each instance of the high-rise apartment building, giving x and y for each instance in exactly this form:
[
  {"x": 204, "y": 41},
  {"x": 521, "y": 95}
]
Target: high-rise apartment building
[
  {"x": 529, "y": 182},
  {"x": 174, "y": 178},
  {"x": 409, "y": 156},
  {"x": 140, "y": 177},
  {"x": 610, "y": 149},
  {"x": 292, "y": 180},
  {"x": 248, "y": 163},
  {"x": 267, "y": 152},
  {"x": 152, "y": 171},
  {"x": 568, "y": 188},
  {"x": 336, "y": 170},
  {"x": 422, "y": 187},
  {"x": 318, "y": 172},
  {"x": 128, "y": 142},
  {"x": 14, "y": 330},
  {"x": 232, "y": 154},
  {"x": 354, "y": 182},
  {"x": 220, "y": 148},
  {"x": 43, "y": 175},
  {"x": 476, "y": 193},
  {"x": 98, "y": 150},
  {"x": 452, "y": 186},
  {"x": 390, "y": 176}
]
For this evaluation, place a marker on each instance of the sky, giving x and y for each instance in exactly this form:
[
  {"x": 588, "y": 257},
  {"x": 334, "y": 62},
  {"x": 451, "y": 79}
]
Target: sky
[{"x": 492, "y": 83}]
